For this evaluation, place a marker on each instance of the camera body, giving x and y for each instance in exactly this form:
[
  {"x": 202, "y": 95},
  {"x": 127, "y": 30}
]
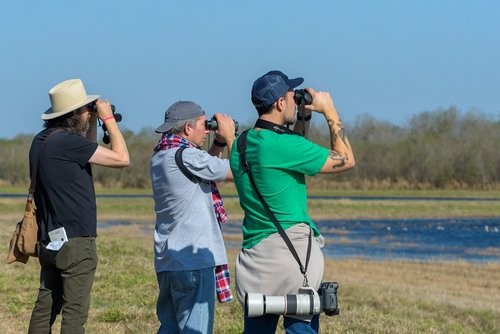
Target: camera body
[
  {"x": 328, "y": 297},
  {"x": 302, "y": 97},
  {"x": 307, "y": 301},
  {"x": 211, "y": 124}
]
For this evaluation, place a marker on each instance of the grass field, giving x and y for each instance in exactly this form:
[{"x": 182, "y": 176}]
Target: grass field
[{"x": 374, "y": 296}]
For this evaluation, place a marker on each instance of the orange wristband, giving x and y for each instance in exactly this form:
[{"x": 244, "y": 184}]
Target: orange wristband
[{"x": 108, "y": 118}]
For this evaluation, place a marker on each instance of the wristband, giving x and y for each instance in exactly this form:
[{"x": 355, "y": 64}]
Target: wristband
[
  {"x": 307, "y": 118},
  {"x": 108, "y": 118},
  {"x": 219, "y": 144}
]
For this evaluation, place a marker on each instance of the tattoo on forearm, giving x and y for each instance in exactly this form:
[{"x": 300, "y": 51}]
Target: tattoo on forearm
[
  {"x": 337, "y": 157},
  {"x": 340, "y": 165},
  {"x": 340, "y": 159},
  {"x": 333, "y": 137},
  {"x": 333, "y": 134},
  {"x": 343, "y": 135}
]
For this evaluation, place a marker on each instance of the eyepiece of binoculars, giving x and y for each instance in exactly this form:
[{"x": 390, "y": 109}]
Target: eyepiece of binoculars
[
  {"x": 302, "y": 97},
  {"x": 211, "y": 124},
  {"x": 93, "y": 107}
]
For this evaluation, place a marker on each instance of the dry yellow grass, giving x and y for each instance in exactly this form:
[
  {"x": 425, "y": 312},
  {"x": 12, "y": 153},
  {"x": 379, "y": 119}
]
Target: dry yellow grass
[{"x": 461, "y": 284}]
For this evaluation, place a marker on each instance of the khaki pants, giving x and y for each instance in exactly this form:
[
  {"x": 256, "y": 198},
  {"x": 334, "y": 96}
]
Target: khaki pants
[
  {"x": 270, "y": 268},
  {"x": 66, "y": 279}
]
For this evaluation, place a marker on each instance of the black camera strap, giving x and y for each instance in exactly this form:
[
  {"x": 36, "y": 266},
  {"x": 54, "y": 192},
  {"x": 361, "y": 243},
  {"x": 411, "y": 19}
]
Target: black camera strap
[
  {"x": 178, "y": 160},
  {"x": 242, "y": 144},
  {"x": 279, "y": 129}
]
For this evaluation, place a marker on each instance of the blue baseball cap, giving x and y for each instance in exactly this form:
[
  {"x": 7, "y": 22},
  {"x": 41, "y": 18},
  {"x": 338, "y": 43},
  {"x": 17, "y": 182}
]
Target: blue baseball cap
[{"x": 271, "y": 86}]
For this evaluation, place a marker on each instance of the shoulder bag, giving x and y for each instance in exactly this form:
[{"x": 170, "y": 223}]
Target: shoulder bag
[{"x": 23, "y": 242}]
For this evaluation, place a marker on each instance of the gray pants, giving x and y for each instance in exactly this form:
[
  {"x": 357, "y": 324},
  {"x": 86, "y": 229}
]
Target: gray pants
[
  {"x": 66, "y": 279},
  {"x": 269, "y": 267}
]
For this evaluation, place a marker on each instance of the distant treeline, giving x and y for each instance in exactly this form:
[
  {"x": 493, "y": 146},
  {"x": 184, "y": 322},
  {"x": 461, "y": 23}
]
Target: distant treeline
[{"x": 438, "y": 149}]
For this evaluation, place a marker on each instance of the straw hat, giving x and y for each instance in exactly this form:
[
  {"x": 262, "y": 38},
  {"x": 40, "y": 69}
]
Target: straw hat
[{"x": 67, "y": 96}]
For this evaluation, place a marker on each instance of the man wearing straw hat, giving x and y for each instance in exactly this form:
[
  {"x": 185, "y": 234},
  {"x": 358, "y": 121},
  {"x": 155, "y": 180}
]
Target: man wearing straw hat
[{"x": 62, "y": 153}]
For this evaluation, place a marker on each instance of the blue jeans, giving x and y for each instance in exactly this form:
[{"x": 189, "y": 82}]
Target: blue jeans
[
  {"x": 267, "y": 324},
  {"x": 186, "y": 301}
]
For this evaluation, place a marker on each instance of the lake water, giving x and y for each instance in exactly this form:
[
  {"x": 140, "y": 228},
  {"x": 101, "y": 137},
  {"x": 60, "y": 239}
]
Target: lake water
[{"x": 468, "y": 239}]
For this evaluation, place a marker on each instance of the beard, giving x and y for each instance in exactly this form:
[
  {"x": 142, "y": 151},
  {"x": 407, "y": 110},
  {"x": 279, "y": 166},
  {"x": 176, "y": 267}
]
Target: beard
[
  {"x": 83, "y": 126},
  {"x": 85, "y": 129},
  {"x": 289, "y": 120}
]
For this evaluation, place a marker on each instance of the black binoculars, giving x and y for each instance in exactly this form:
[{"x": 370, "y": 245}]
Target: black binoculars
[
  {"x": 117, "y": 116},
  {"x": 211, "y": 124},
  {"x": 302, "y": 97}
]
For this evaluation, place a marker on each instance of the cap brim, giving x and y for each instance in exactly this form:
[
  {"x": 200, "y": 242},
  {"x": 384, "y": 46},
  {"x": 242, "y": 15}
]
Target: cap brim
[
  {"x": 292, "y": 83},
  {"x": 165, "y": 127},
  {"x": 49, "y": 114}
]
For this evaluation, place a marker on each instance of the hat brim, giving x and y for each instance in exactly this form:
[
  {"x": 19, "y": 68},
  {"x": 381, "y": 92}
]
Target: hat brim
[
  {"x": 50, "y": 114},
  {"x": 166, "y": 126},
  {"x": 293, "y": 83}
]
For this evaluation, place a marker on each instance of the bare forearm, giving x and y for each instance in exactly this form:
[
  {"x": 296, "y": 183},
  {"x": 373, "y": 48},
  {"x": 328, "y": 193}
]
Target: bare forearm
[
  {"x": 117, "y": 142},
  {"x": 341, "y": 157}
]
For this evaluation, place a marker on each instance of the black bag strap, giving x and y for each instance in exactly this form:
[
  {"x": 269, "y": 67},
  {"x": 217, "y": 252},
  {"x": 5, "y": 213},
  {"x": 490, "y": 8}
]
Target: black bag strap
[
  {"x": 242, "y": 144},
  {"x": 35, "y": 168},
  {"x": 183, "y": 169}
]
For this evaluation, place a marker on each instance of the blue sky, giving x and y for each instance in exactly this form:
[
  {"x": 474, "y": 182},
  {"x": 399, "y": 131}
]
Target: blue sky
[{"x": 387, "y": 59}]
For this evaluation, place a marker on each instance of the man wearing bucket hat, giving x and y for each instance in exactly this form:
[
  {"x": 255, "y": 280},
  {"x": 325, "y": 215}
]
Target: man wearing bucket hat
[
  {"x": 62, "y": 153},
  {"x": 190, "y": 257},
  {"x": 278, "y": 159}
]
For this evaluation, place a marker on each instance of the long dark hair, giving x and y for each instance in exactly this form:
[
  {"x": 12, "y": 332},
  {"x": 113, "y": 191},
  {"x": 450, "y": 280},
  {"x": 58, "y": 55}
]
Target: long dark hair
[{"x": 71, "y": 121}]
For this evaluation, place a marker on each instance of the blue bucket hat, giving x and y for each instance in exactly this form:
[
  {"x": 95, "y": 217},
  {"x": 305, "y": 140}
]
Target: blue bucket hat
[{"x": 271, "y": 86}]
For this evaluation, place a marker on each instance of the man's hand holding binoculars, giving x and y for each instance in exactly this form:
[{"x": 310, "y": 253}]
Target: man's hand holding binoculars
[
  {"x": 322, "y": 102},
  {"x": 225, "y": 132},
  {"x": 104, "y": 110}
]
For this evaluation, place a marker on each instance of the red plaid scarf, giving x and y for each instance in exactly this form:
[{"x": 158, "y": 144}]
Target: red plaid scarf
[{"x": 222, "y": 277}]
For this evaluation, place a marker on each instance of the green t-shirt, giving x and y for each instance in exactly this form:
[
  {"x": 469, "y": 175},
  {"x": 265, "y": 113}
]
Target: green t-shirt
[{"x": 279, "y": 163}]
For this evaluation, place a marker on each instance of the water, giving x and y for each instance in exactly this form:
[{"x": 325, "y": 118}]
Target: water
[
  {"x": 467, "y": 239},
  {"x": 474, "y": 240}
]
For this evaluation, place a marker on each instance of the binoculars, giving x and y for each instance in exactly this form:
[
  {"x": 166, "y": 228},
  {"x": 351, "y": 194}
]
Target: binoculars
[
  {"x": 302, "y": 97},
  {"x": 117, "y": 116},
  {"x": 211, "y": 125}
]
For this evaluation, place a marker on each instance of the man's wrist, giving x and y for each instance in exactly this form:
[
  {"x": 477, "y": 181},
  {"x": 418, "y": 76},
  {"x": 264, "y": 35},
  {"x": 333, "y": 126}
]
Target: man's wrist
[
  {"x": 219, "y": 144},
  {"x": 107, "y": 118}
]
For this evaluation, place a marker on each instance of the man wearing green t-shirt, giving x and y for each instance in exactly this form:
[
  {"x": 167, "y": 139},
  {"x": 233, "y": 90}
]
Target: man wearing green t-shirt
[{"x": 279, "y": 160}]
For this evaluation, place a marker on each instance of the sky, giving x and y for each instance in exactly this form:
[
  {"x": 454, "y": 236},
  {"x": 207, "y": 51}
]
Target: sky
[{"x": 389, "y": 60}]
